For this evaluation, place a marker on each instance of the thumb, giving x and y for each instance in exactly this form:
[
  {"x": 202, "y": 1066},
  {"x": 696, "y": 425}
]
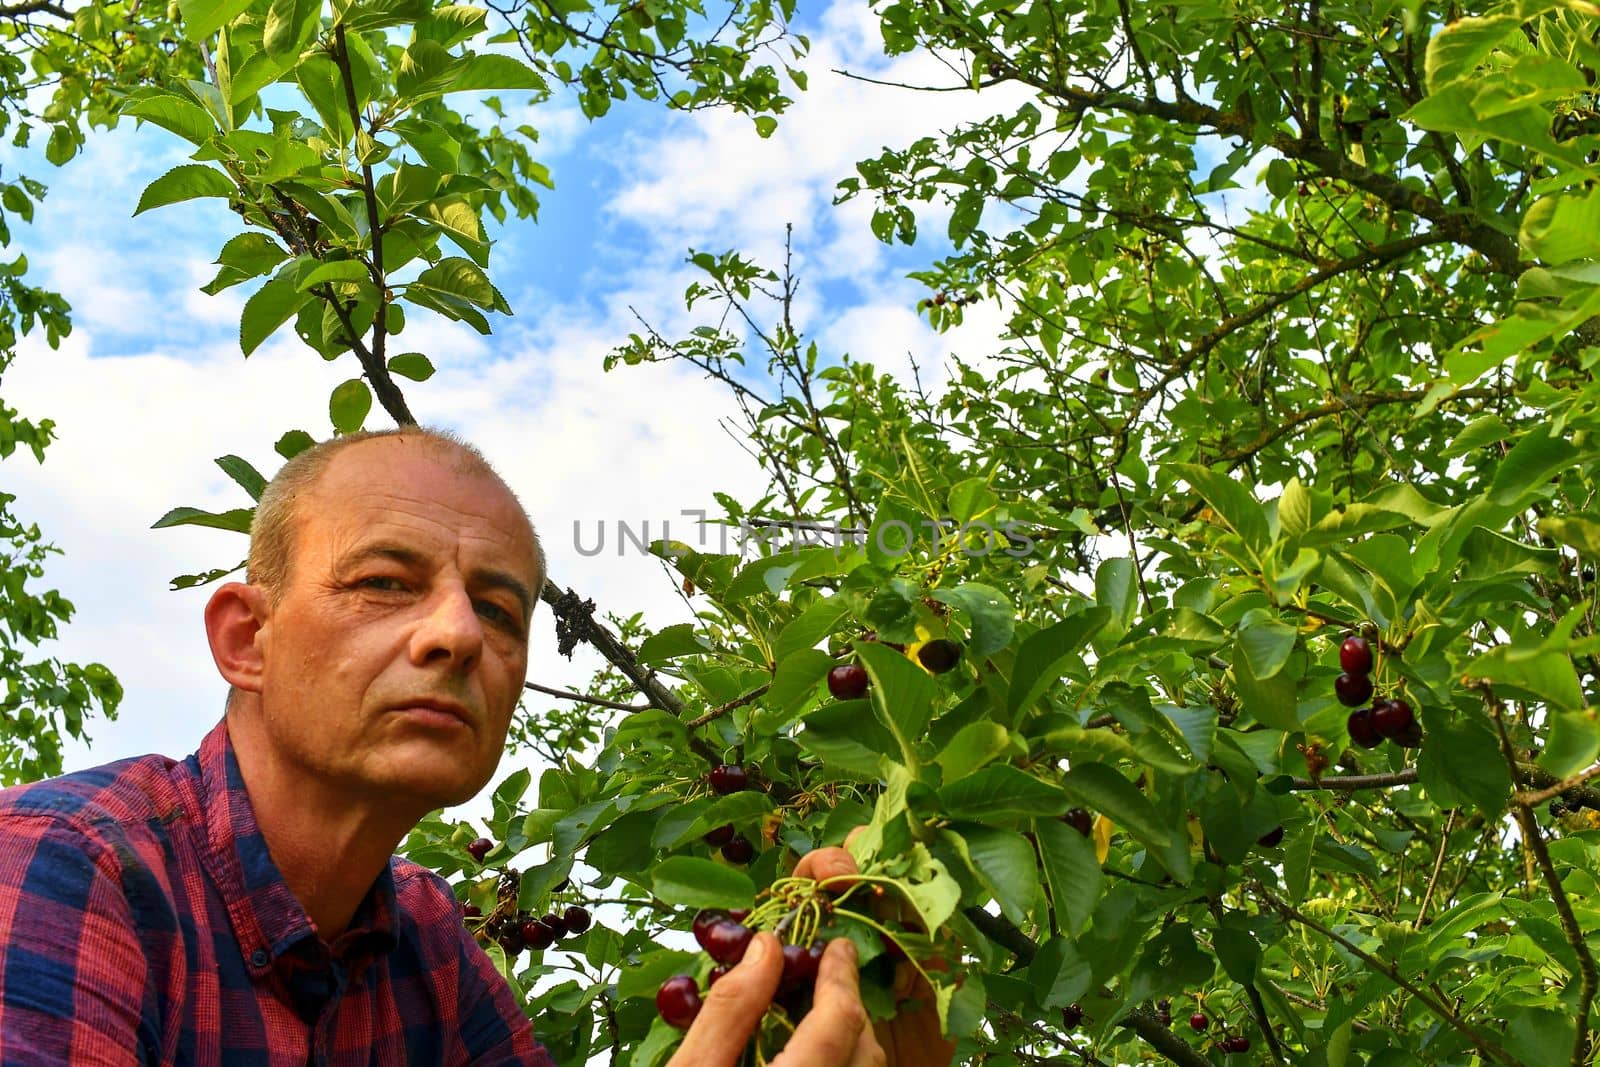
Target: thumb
[{"x": 733, "y": 1008}]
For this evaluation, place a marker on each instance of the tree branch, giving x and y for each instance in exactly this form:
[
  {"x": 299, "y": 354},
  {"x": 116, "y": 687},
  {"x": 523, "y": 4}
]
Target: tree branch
[
  {"x": 582, "y": 699},
  {"x": 1352, "y": 782}
]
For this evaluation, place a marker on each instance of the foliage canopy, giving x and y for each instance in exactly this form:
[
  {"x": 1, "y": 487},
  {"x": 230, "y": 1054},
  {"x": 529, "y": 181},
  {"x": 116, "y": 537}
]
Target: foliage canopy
[{"x": 1301, "y": 307}]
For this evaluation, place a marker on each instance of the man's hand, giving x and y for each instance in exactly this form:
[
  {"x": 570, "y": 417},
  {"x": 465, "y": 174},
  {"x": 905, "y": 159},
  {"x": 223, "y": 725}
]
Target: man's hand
[{"x": 833, "y": 1034}]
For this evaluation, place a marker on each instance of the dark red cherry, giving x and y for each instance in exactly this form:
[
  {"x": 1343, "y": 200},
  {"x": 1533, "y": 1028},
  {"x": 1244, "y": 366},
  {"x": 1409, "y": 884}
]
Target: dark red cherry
[
  {"x": 1392, "y": 717},
  {"x": 738, "y": 915},
  {"x": 726, "y": 941},
  {"x": 1079, "y": 820},
  {"x": 1071, "y": 1016},
  {"x": 1359, "y": 725},
  {"x": 799, "y": 966},
  {"x": 716, "y": 974},
  {"x": 939, "y": 655},
  {"x": 537, "y": 933},
  {"x": 480, "y": 848},
  {"x": 1411, "y": 737},
  {"x": 575, "y": 919},
  {"x": 739, "y": 851},
  {"x": 471, "y": 911},
  {"x": 728, "y": 778},
  {"x": 720, "y": 836},
  {"x": 1198, "y": 1022},
  {"x": 1355, "y": 656},
  {"x": 678, "y": 1001},
  {"x": 1272, "y": 838},
  {"x": 847, "y": 681},
  {"x": 1352, "y": 690},
  {"x": 704, "y": 921}
]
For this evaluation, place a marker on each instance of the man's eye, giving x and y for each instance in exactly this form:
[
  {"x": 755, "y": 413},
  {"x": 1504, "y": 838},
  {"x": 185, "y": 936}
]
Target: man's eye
[
  {"x": 501, "y": 613},
  {"x": 397, "y": 583}
]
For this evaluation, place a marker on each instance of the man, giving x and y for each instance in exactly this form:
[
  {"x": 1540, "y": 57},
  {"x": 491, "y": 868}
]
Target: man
[{"x": 244, "y": 906}]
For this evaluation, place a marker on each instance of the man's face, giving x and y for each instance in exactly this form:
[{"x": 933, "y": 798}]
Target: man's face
[{"x": 402, "y": 589}]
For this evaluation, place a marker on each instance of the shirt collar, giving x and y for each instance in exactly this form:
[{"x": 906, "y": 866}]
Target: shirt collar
[{"x": 268, "y": 920}]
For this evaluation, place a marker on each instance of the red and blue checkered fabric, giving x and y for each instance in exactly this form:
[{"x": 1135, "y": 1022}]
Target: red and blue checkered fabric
[{"x": 142, "y": 921}]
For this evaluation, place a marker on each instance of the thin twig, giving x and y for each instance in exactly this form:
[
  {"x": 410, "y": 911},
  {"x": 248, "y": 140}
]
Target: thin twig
[{"x": 565, "y": 694}]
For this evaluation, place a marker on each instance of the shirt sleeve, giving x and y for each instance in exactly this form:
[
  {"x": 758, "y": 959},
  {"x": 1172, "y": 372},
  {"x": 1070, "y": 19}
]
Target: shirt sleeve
[
  {"x": 72, "y": 971},
  {"x": 494, "y": 1028}
]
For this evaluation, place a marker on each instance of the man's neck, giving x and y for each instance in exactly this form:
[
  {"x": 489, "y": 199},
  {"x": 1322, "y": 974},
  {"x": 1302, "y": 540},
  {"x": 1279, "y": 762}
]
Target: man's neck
[{"x": 329, "y": 846}]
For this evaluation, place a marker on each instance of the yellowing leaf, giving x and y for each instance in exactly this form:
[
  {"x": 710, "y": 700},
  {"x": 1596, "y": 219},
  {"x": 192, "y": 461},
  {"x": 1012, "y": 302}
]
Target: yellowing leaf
[{"x": 1102, "y": 838}]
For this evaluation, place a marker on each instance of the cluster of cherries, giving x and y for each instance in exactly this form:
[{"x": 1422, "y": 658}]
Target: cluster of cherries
[
  {"x": 1388, "y": 719},
  {"x": 520, "y": 930},
  {"x": 728, "y": 778},
  {"x": 725, "y": 937},
  {"x": 848, "y": 681},
  {"x": 1199, "y": 1023}
]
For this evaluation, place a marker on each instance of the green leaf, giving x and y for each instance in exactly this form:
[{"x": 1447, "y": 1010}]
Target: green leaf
[
  {"x": 1465, "y": 755},
  {"x": 412, "y": 365},
  {"x": 1231, "y": 501},
  {"x": 1572, "y": 742},
  {"x": 1530, "y": 463},
  {"x": 901, "y": 695},
  {"x": 1271, "y": 701},
  {"x": 1046, "y": 655},
  {"x": 242, "y": 472},
  {"x": 237, "y": 520},
  {"x": 458, "y": 277},
  {"x": 185, "y": 182},
  {"x": 493, "y": 71},
  {"x": 175, "y": 114},
  {"x": 1059, "y": 974},
  {"x": 670, "y": 642},
  {"x": 1266, "y": 645},
  {"x": 1294, "y": 509},
  {"x": 990, "y": 612},
  {"x": 1238, "y": 952},
  {"x": 289, "y": 23},
  {"x": 336, "y": 270},
  {"x": 1542, "y": 675},
  {"x": 1581, "y": 532},
  {"x": 202, "y": 18},
  {"x": 268, "y": 308},
  {"x": 698, "y": 883},
  {"x": 1115, "y": 591},
  {"x": 349, "y": 404},
  {"x": 1002, "y": 791},
  {"x": 974, "y": 745},
  {"x": 1456, "y": 50},
  {"x": 1071, "y": 871},
  {"x": 643, "y": 978},
  {"x": 1100, "y": 788},
  {"x": 808, "y": 628},
  {"x": 1005, "y": 861}
]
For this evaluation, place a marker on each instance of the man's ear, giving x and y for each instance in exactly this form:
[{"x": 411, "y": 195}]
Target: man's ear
[{"x": 235, "y": 615}]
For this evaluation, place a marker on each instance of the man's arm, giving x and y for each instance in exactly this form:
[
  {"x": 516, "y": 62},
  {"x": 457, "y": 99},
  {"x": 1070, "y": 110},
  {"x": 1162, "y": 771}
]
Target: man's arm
[{"x": 72, "y": 971}]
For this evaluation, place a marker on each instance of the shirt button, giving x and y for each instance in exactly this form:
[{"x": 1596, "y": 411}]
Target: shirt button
[{"x": 258, "y": 958}]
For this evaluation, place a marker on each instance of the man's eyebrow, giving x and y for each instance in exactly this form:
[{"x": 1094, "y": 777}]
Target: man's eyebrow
[{"x": 483, "y": 576}]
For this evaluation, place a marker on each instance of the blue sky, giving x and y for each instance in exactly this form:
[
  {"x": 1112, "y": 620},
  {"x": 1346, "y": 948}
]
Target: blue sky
[{"x": 151, "y": 386}]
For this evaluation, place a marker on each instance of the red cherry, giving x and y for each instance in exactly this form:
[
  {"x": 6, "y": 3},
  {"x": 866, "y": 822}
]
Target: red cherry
[
  {"x": 1071, "y": 1016},
  {"x": 738, "y": 915},
  {"x": 939, "y": 297},
  {"x": 678, "y": 1001},
  {"x": 848, "y": 681},
  {"x": 738, "y": 851},
  {"x": 1198, "y": 1022},
  {"x": 720, "y": 836},
  {"x": 1355, "y": 656},
  {"x": 726, "y": 941},
  {"x": 939, "y": 655},
  {"x": 1359, "y": 726},
  {"x": 480, "y": 848},
  {"x": 1239, "y": 1044},
  {"x": 471, "y": 911},
  {"x": 1411, "y": 738},
  {"x": 717, "y": 973},
  {"x": 537, "y": 933},
  {"x": 799, "y": 966},
  {"x": 511, "y": 944},
  {"x": 1080, "y": 821},
  {"x": 1352, "y": 690},
  {"x": 575, "y": 919},
  {"x": 728, "y": 778},
  {"x": 1392, "y": 717},
  {"x": 704, "y": 921},
  {"x": 1272, "y": 838}
]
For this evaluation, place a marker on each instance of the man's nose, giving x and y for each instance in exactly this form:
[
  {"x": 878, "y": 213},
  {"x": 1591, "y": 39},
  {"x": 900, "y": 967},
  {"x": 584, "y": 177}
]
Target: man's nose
[{"x": 451, "y": 630}]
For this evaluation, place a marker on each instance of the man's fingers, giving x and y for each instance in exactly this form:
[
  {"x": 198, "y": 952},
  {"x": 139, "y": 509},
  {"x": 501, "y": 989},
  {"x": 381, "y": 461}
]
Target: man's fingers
[
  {"x": 825, "y": 863},
  {"x": 733, "y": 1008},
  {"x": 835, "y": 1032}
]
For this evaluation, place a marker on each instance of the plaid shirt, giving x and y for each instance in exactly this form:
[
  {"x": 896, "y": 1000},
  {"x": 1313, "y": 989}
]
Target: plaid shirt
[{"x": 143, "y": 921}]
